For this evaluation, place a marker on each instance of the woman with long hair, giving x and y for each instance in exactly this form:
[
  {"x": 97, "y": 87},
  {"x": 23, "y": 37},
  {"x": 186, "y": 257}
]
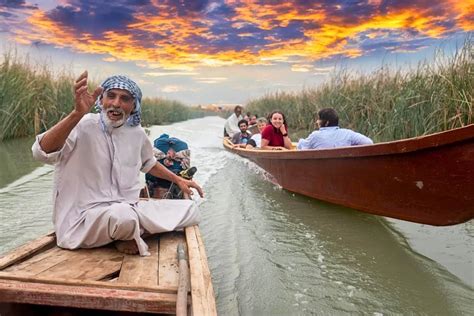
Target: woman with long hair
[{"x": 275, "y": 135}]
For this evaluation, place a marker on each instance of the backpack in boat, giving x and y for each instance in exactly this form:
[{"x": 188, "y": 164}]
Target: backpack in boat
[{"x": 174, "y": 154}]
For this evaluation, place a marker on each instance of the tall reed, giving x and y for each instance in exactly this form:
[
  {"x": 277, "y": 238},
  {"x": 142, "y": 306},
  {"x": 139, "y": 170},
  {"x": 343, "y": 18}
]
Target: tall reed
[
  {"x": 29, "y": 96},
  {"x": 386, "y": 104},
  {"x": 33, "y": 98}
]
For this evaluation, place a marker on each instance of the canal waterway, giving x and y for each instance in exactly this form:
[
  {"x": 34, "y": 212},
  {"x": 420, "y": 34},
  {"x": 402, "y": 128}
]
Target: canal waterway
[{"x": 272, "y": 252}]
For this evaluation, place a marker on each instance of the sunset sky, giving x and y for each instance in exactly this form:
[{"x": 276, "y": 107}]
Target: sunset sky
[{"x": 202, "y": 52}]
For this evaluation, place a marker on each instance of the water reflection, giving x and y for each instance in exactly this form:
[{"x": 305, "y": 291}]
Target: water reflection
[{"x": 16, "y": 159}]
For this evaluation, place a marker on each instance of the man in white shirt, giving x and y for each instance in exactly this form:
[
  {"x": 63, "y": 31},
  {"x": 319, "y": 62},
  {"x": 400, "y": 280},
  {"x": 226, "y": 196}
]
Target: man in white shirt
[
  {"x": 232, "y": 124},
  {"x": 98, "y": 159},
  {"x": 330, "y": 135}
]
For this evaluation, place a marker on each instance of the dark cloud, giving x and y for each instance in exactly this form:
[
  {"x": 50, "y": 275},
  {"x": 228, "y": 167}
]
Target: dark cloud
[
  {"x": 5, "y": 14},
  {"x": 354, "y": 12},
  {"x": 90, "y": 16},
  {"x": 191, "y": 5},
  {"x": 420, "y": 6},
  {"x": 187, "y": 7},
  {"x": 88, "y": 19},
  {"x": 138, "y": 3},
  {"x": 293, "y": 30},
  {"x": 16, "y": 4},
  {"x": 228, "y": 38},
  {"x": 393, "y": 44},
  {"x": 147, "y": 39},
  {"x": 237, "y": 43},
  {"x": 219, "y": 11}
]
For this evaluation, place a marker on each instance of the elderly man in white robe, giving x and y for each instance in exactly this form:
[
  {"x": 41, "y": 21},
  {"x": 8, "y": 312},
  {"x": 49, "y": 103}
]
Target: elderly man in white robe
[
  {"x": 231, "y": 126},
  {"x": 98, "y": 159}
]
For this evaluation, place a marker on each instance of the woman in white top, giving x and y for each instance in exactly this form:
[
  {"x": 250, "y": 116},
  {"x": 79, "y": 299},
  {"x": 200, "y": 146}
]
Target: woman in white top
[{"x": 256, "y": 139}]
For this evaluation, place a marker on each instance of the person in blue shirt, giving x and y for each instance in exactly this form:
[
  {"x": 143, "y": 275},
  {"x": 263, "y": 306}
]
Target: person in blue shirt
[
  {"x": 330, "y": 135},
  {"x": 241, "y": 138}
]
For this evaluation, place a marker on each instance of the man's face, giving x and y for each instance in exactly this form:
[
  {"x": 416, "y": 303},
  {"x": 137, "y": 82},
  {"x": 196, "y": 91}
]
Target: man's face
[
  {"x": 317, "y": 123},
  {"x": 117, "y": 105},
  {"x": 238, "y": 111},
  {"x": 242, "y": 127}
]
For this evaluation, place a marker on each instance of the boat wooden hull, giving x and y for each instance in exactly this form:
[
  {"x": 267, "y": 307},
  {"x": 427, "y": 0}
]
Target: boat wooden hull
[
  {"x": 428, "y": 179},
  {"x": 40, "y": 275}
]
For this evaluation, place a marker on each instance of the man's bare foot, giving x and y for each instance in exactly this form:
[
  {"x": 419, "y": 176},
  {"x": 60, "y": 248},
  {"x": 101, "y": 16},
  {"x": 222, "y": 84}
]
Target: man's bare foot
[{"x": 127, "y": 246}]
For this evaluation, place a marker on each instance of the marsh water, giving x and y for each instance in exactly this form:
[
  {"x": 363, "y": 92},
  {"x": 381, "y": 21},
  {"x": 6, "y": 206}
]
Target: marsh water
[{"x": 272, "y": 252}]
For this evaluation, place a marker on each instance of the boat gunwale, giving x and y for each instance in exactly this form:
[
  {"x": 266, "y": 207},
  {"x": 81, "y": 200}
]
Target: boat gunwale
[
  {"x": 25, "y": 252},
  {"x": 403, "y": 146},
  {"x": 88, "y": 283}
]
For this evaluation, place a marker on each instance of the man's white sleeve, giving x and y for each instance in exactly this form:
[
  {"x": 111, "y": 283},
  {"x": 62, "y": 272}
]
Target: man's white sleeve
[{"x": 53, "y": 157}]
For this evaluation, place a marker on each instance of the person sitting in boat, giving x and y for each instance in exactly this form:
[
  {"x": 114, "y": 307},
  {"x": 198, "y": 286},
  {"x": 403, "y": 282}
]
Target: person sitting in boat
[
  {"x": 231, "y": 126},
  {"x": 175, "y": 155},
  {"x": 253, "y": 125},
  {"x": 253, "y": 119},
  {"x": 330, "y": 135},
  {"x": 256, "y": 140},
  {"x": 275, "y": 135},
  {"x": 98, "y": 158},
  {"x": 241, "y": 138}
]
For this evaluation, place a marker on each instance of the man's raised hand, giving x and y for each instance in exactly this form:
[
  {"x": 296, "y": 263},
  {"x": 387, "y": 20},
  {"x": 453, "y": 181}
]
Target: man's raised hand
[{"x": 83, "y": 99}]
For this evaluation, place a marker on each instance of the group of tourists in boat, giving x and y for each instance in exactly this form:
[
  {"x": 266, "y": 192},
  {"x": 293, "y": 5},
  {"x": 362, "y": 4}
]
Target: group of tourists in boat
[{"x": 272, "y": 132}]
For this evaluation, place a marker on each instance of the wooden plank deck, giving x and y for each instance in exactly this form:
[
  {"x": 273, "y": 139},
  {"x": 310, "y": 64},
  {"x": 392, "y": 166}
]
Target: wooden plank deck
[
  {"x": 103, "y": 278},
  {"x": 141, "y": 270},
  {"x": 169, "y": 272}
]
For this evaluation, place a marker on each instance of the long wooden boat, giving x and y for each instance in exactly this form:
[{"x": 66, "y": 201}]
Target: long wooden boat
[
  {"x": 40, "y": 278},
  {"x": 428, "y": 179}
]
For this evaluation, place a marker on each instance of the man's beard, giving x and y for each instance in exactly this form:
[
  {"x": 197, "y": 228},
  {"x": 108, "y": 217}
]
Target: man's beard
[{"x": 110, "y": 123}]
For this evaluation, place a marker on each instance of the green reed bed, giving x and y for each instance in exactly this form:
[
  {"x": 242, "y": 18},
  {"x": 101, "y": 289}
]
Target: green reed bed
[
  {"x": 33, "y": 98},
  {"x": 158, "y": 111},
  {"x": 30, "y": 97},
  {"x": 387, "y": 105}
]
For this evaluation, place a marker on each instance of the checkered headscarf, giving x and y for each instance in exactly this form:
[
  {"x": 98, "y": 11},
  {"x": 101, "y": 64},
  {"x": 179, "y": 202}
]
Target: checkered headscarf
[{"x": 124, "y": 83}]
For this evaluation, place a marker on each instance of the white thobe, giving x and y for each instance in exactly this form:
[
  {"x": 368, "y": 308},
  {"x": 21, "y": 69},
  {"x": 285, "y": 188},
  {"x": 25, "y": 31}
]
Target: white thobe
[
  {"x": 97, "y": 186},
  {"x": 258, "y": 139},
  {"x": 232, "y": 124}
]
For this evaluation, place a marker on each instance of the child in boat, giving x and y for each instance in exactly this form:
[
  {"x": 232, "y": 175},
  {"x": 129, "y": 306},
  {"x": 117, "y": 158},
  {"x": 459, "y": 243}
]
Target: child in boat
[
  {"x": 256, "y": 140},
  {"x": 330, "y": 135},
  {"x": 275, "y": 135},
  {"x": 241, "y": 138}
]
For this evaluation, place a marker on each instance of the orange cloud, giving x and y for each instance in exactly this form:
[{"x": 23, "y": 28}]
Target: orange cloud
[
  {"x": 269, "y": 16},
  {"x": 465, "y": 13}
]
